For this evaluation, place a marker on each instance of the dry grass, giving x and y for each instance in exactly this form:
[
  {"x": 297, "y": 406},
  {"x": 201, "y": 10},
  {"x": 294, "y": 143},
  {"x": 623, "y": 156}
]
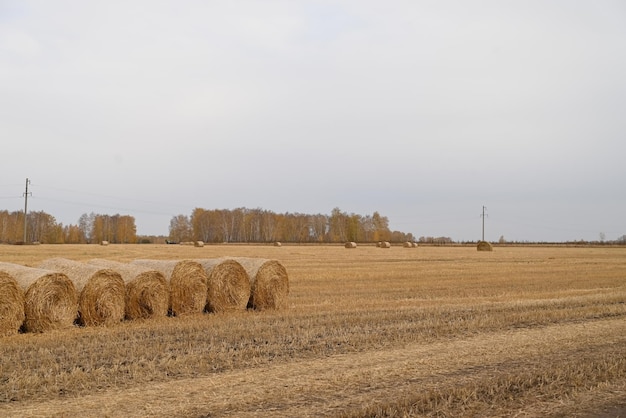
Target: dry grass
[
  {"x": 530, "y": 385},
  {"x": 453, "y": 332}
]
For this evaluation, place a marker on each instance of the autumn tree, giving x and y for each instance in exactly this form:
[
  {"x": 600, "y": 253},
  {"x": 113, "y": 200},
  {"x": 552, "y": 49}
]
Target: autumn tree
[
  {"x": 381, "y": 228},
  {"x": 85, "y": 225},
  {"x": 354, "y": 228},
  {"x": 318, "y": 225},
  {"x": 338, "y": 226},
  {"x": 268, "y": 225},
  {"x": 257, "y": 225},
  {"x": 125, "y": 231},
  {"x": 43, "y": 227},
  {"x": 11, "y": 226},
  {"x": 180, "y": 229},
  {"x": 117, "y": 229},
  {"x": 73, "y": 234}
]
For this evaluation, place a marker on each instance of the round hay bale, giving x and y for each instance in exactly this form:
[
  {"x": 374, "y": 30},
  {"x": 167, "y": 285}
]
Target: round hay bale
[
  {"x": 278, "y": 244},
  {"x": 228, "y": 285},
  {"x": 269, "y": 283},
  {"x": 415, "y": 245},
  {"x": 11, "y": 305},
  {"x": 188, "y": 284},
  {"x": 407, "y": 245},
  {"x": 147, "y": 291},
  {"x": 104, "y": 243},
  {"x": 484, "y": 246},
  {"x": 50, "y": 300},
  {"x": 101, "y": 292},
  {"x": 350, "y": 244},
  {"x": 385, "y": 244},
  {"x": 198, "y": 243},
  {"x": 379, "y": 244}
]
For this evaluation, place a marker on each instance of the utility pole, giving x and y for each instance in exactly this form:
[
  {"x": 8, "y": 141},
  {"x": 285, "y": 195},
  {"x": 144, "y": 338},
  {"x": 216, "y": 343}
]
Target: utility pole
[
  {"x": 26, "y": 193},
  {"x": 483, "y": 216}
]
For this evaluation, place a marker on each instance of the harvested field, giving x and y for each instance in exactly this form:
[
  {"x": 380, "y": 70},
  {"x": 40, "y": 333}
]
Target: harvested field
[{"x": 444, "y": 331}]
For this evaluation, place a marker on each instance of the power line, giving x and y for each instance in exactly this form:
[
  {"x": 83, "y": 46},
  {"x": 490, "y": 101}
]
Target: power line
[
  {"x": 98, "y": 195},
  {"x": 483, "y": 216},
  {"x": 125, "y": 201},
  {"x": 92, "y": 205},
  {"x": 26, "y": 193}
]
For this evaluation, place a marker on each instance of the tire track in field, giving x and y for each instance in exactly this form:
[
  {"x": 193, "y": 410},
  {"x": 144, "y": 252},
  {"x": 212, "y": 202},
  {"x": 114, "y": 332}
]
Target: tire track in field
[{"x": 332, "y": 385}]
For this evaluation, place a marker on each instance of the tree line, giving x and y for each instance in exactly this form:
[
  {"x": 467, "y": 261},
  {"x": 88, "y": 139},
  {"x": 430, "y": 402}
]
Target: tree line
[
  {"x": 244, "y": 225},
  {"x": 43, "y": 227},
  {"x": 239, "y": 225}
]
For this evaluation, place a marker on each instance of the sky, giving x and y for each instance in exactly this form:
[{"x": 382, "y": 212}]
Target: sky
[{"x": 424, "y": 111}]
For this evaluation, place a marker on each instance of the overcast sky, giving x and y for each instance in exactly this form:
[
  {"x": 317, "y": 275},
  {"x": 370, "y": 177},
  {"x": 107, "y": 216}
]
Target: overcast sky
[{"x": 421, "y": 110}]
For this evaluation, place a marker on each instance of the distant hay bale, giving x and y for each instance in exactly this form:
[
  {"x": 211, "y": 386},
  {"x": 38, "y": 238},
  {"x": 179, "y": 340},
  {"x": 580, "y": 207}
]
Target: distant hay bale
[
  {"x": 407, "y": 245},
  {"x": 104, "y": 243},
  {"x": 385, "y": 244},
  {"x": 188, "y": 284},
  {"x": 379, "y": 244},
  {"x": 11, "y": 305},
  {"x": 350, "y": 244},
  {"x": 415, "y": 245},
  {"x": 147, "y": 291},
  {"x": 228, "y": 285},
  {"x": 269, "y": 283},
  {"x": 101, "y": 292},
  {"x": 484, "y": 246},
  {"x": 277, "y": 244},
  {"x": 50, "y": 300},
  {"x": 198, "y": 243}
]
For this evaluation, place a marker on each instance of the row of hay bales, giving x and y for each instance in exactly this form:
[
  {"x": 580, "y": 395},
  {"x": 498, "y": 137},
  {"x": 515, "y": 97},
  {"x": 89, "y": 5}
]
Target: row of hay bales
[
  {"x": 482, "y": 245},
  {"x": 382, "y": 244},
  {"x": 193, "y": 243},
  {"x": 59, "y": 293}
]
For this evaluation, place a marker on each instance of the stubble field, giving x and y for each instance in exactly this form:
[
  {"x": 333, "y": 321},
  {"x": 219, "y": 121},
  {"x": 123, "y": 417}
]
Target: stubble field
[{"x": 427, "y": 331}]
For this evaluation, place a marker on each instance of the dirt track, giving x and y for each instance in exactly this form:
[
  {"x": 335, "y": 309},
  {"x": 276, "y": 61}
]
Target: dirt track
[{"x": 343, "y": 383}]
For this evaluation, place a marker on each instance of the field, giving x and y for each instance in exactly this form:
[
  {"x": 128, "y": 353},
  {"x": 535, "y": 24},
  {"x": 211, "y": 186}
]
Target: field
[{"x": 427, "y": 331}]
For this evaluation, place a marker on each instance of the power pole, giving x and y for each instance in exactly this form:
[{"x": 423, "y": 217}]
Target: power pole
[
  {"x": 483, "y": 216},
  {"x": 26, "y": 193}
]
